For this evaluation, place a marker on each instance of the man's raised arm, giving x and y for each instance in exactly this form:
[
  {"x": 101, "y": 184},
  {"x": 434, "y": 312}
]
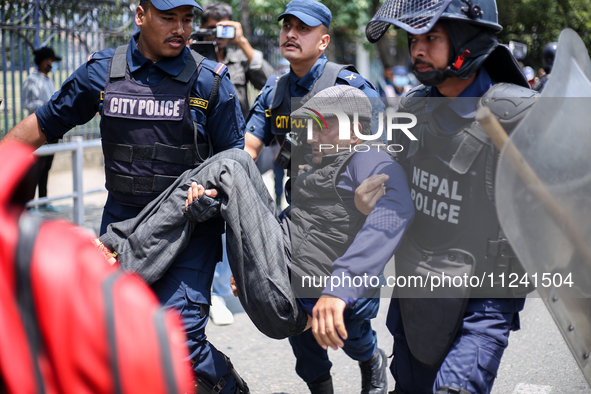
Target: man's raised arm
[{"x": 28, "y": 131}]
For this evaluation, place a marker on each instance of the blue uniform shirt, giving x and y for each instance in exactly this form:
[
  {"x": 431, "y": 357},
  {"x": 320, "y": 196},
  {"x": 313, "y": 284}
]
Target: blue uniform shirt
[
  {"x": 383, "y": 228},
  {"x": 260, "y": 126},
  {"x": 461, "y": 110}
]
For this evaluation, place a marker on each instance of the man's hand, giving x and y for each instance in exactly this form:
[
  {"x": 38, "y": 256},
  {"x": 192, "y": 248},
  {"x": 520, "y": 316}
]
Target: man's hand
[
  {"x": 201, "y": 204},
  {"x": 234, "y": 286},
  {"x": 369, "y": 192},
  {"x": 196, "y": 191},
  {"x": 106, "y": 252},
  {"x": 328, "y": 325},
  {"x": 239, "y": 38}
]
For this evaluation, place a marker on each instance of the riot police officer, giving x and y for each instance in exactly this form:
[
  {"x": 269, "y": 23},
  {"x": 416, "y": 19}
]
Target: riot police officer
[
  {"x": 548, "y": 56},
  {"x": 453, "y": 343},
  {"x": 164, "y": 110}
]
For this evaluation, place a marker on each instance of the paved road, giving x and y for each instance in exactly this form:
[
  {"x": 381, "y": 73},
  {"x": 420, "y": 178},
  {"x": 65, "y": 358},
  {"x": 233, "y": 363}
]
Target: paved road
[{"x": 536, "y": 362}]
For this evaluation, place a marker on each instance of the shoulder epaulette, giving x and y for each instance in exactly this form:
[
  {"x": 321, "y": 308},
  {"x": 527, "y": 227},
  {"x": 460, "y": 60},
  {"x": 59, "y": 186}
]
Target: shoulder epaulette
[
  {"x": 272, "y": 80},
  {"x": 352, "y": 78},
  {"x": 215, "y": 67},
  {"x": 104, "y": 54}
]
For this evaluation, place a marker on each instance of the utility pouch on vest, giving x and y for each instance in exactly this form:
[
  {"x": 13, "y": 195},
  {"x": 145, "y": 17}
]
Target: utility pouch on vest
[{"x": 432, "y": 298}]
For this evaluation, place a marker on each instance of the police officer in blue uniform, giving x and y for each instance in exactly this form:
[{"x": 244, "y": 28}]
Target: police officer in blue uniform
[
  {"x": 454, "y": 343},
  {"x": 164, "y": 110},
  {"x": 303, "y": 39}
]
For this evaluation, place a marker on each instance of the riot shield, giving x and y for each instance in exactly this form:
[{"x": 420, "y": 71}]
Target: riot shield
[{"x": 553, "y": 244}]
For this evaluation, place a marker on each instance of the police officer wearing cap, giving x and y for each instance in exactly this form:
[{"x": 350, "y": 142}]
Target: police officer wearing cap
[
  {"x": 453, "y": 343},
  {"x": 303, "y": 40},
  {"x": 164, "y": 110}
]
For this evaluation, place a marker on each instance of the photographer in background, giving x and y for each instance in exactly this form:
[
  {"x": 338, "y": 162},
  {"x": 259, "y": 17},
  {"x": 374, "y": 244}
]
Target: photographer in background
[{"x": 245, "y": 64}]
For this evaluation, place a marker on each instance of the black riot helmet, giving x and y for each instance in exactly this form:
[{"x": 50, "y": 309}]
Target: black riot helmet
[
  {"x": 548, "y": 56},
  {"x": 471, "y": 25}
]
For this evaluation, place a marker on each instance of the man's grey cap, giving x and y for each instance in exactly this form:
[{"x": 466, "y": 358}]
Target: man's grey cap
[{"x": 345, "y": 98}]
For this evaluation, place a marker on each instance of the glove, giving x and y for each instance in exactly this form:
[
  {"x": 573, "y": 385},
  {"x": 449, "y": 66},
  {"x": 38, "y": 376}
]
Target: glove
[{"x": 204, "y": 208}]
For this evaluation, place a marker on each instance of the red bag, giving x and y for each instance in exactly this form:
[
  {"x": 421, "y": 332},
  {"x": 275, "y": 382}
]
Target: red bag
[{"x": 70, "y": 322}]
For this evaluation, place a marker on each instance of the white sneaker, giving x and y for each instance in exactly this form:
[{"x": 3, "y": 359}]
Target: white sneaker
[{"x": 218, "y": 312}]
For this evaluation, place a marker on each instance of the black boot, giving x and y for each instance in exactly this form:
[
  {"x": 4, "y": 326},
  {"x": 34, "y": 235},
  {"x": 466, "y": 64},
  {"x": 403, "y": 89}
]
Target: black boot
[
  {"x": 324, "y": 387},
  {"x": 374, "y": 378}
]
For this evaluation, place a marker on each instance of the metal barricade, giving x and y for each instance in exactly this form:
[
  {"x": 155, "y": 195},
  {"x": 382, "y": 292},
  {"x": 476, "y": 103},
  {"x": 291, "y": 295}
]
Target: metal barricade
[{"x": 76, "y": 146}]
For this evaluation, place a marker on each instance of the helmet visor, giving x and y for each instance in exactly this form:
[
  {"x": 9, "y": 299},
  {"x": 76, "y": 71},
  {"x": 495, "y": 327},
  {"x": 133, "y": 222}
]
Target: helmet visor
[{"x": 413, "y": 16}]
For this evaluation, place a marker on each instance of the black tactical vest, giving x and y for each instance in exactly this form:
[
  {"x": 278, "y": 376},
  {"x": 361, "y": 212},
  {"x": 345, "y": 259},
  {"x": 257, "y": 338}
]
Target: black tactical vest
[
  {"x": 323, "y": 227},
  {"x": 147, "y": 132},
  {"x": 451, "y": 180},
  {"x": 455, "y": 229},
  {"x": 281, "y": 107}
]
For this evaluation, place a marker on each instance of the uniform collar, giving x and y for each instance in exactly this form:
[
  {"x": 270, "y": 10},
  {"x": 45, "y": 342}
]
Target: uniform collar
[
  {"x": 477, "y": 88},
  {"x": 308, "y": 80},
  {"x": 170, "y": 65}
]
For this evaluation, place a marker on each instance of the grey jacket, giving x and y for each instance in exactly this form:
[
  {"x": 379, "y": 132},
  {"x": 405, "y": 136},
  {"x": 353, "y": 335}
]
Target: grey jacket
[{"x": 257, "y": 243}]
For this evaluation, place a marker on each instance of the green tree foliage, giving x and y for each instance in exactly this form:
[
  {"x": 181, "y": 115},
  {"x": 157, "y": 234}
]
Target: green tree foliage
[
  {"x": 346, "y": 15},
  {"x": 539, "y": 22}
]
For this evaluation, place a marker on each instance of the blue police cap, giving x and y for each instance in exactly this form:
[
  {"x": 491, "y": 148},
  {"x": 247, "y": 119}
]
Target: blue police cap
[
  {"x": 400, "y": 70},
  {"x": 165, "y": 5},
  {"x": 313, "y": 13}
]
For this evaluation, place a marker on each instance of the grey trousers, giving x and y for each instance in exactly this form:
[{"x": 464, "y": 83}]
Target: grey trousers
[{"x": 257, "y": 244}]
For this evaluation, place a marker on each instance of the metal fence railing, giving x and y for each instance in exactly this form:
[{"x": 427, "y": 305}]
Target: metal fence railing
[
  {"x": 73, "y": 28},
  {"x": 76, "y": 146}
]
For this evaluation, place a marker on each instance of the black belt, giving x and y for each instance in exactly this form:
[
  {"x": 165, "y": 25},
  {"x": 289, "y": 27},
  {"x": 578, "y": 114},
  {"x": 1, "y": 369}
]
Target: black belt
[
  {"x": 185, "y": 154},
  {"x": 134, "y": 184}
]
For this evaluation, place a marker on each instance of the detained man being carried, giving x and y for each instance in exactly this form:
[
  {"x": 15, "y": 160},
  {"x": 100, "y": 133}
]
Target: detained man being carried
[{"x": 323, "y": 233}]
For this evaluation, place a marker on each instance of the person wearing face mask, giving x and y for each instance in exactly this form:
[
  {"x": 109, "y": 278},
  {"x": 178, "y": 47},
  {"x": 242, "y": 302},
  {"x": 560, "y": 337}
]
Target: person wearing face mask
[
  {"x": 401, "y": 81},
  {"x": 37, "y": 90}
]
